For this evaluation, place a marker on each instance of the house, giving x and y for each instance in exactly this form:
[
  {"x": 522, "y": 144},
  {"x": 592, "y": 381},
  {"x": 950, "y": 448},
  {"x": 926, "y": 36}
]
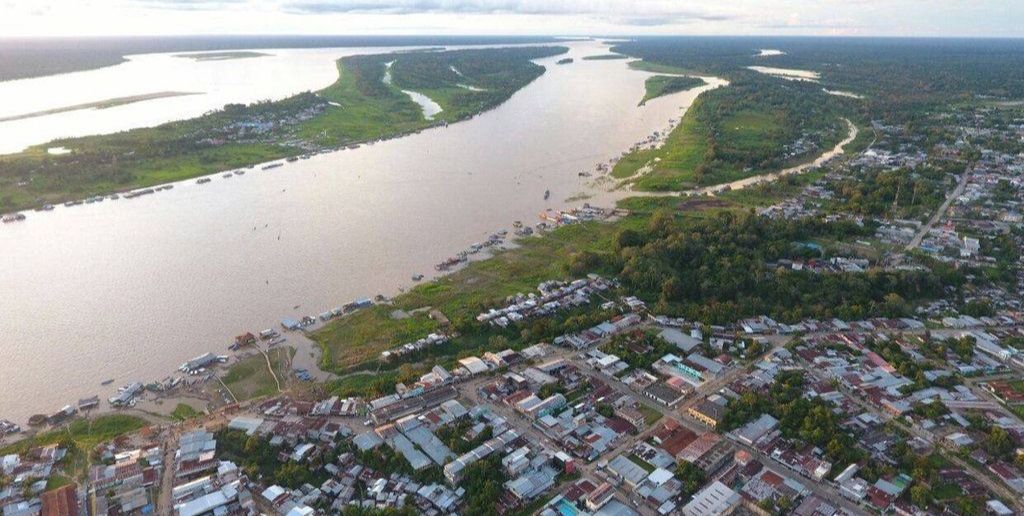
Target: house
[
  {"x": 632, "y": 416},
  {"x": 753, "y": 431},
  {"x": 710, "y": 412},
  {"x": 714, "y": 500},
  {"x": 664, "y": 394}
]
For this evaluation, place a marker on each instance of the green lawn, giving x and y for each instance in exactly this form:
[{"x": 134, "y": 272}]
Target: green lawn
[
  {"x": 184, "y": 411},
  {"x": 651, "y": 415},
  {"x": 250, "y": 378},
  {"x": 660, "y": 85}
]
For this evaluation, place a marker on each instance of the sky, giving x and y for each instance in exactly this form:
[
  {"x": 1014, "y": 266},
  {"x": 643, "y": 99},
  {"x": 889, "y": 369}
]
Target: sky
[{"x": 971, "y": 18}]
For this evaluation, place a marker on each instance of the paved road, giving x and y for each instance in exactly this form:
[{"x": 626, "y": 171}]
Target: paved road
[{"x": 957, "y": 192}]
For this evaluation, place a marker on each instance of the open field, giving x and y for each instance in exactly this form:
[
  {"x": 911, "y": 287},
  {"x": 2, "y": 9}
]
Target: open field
[
  {"x": 671, "y": 166},
  {"x": 250, "y": 377},
  {"x": 660, "y": 85},
  {"x": 605, "y": 57},
  {"x": 85, "y": 433}
]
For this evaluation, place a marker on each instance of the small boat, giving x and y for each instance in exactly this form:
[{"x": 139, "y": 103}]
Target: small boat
[
  {"x": 547, "y": 193},
  {"x": 47, "y": 207},
  {"x": 417, "y": 277},
  {"x": 13, "y": 217},
  {"x": 272, "y": 165},
  {"x": 107, "y": 382},
  {"x": 203, "y": 180},
  {"x": 239, "y": 172},
  {"x": 227, "y": 176}
]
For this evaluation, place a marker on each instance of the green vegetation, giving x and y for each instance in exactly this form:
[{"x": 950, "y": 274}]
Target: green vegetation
[
  {"x": 483, "y": 484},
  {"x": 258, "y": 459},
  {"x": 754, "y": 125},
  {"x": 639, "y": 349},
  {"x": 358, "y": 107},
  {"x": 810, "y": 420},
  {"x": 660, "y": 85},
  {"x": 898, "y": 77},
  {"x": 356, "y": 339},
  {"x": 184, "y": 412},
  {"x": 251, "y": 378},
  {"x": 605, "y": 57},
  {"x": 714, "y": 270},
  {"x": 651, "y": 415},
  {"x": 898, "y": 193},
  {"x": 83, "y": 433}
]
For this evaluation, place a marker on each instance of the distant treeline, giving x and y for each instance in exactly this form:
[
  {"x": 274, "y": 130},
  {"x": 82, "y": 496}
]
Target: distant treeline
[
  {"x": 896, "y": 75},
  {"x": 22, "y": 58}
]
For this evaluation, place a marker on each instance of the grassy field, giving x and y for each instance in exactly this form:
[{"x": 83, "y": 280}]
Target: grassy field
[
  {"x": 250, "y": 378},
  {"x": 85, "y": 433},
  {"x": 660, "y": 85},
  {"x": 673, "y": 165},
  {"x": 647, "y": 66},
  {"x": 358, "y": 107},
  {"x": 605, "y": 57},
  {"x": 184, "y": 411}
]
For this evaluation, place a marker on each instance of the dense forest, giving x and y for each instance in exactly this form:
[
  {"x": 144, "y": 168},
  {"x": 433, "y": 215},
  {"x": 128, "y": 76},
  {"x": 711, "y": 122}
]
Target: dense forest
[
  {"x": 715, "y": 270},
  {"x": 899, "y": 77}
]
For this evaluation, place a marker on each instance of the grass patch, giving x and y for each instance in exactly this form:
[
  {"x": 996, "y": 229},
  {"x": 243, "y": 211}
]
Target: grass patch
[
  {"x": 605, "y": 57},
  {"x": 85, "y": 433},
  {"x": 647, "y": 66},
  {"x": 651, "y": 415},
  {"x": 250, "y": 378},
  {"x": 672, "y": 166},
  {"x": 660, "y": 85},
  {"x": 184, "y": 412},
  {"x": 647, "y": 466}
]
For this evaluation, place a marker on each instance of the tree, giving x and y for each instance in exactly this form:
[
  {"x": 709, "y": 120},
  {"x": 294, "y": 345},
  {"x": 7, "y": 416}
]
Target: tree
[{"x": 920, "y": 495}]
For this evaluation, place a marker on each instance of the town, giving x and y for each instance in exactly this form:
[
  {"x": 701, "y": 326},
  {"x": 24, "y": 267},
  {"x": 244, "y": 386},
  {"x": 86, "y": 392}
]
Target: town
[{"x": 635, "y": 393}]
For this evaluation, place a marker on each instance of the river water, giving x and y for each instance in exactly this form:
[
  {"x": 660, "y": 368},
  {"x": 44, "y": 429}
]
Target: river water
[{"x": 129, "y": 289}]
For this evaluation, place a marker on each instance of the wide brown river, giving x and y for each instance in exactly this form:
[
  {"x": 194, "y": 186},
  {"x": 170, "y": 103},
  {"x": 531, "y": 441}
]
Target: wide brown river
[{"x": 129, "y": 289}]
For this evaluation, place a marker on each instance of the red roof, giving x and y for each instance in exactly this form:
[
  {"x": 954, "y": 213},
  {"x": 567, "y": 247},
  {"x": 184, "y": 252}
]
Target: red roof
[{"x": 60, "y": 502}]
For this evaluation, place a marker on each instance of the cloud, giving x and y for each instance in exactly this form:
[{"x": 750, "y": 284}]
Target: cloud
[
  {"x": 189, "y": 5},
  {"x": 640, "y": 12}
]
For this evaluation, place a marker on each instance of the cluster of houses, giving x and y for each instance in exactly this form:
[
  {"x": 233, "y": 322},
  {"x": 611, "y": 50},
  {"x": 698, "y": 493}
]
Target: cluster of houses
[
  {"x": 430, "y": 340},
  {"x": 23, "y": 480},
  {"x": 553, "y": 296}
]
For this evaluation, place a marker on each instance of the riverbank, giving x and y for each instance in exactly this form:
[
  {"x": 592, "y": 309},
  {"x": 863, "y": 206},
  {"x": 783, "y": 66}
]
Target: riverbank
[
  {"x": 101, "y": 104},
  {"x": 310, "y": 232},
  {"x": 356, "y": 109}
]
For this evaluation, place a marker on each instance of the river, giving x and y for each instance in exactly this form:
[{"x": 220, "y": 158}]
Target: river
[{"x": 129, "y": 289}]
